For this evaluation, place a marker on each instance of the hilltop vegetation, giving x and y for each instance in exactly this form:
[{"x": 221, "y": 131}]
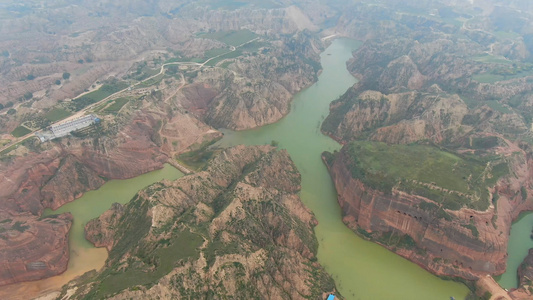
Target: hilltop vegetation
[{"x": 427, "y": 171}]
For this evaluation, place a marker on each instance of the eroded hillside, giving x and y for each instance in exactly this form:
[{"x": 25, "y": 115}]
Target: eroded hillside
[{"x": 237, "y": 229}]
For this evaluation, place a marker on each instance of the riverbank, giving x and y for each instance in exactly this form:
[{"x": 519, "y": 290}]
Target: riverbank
[
  {"x": 84, "y": 256},
  {"x": 361, "y": 269}
]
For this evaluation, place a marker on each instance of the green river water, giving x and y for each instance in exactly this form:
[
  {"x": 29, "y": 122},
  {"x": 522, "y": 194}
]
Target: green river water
[
  {"x": 83, "y": 255},
  {"x": 361, "y": 269},
  {"x": 519, "y": 245}
]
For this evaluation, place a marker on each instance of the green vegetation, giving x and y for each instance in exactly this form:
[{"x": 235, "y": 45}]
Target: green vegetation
[
  {"x": 57, "y": 114},
  {"x": 484, "y": 142},
  {"x": 232, "y": 5},
  {"x": 225, "y": 64},
  {"x": 117, "y": 105},
  {"x": 215, "y": 52},
  {"x": 66, "y": 75},
  {"x": 253, "y": 46},
  {"x": 472, "y": 228},
  {"x": 152, "y": 81},
  {"x": 488, "y": 78},
  {"x": 19, "y": 226},
  {"x": 229, "y": 55},
  {"x": 104, "y": 91},
  {"x": 395, "y": 240},
  {"x": 182, "y": 246},
  {"x": 492, "y": 59},
  {"x": 497, "y": 106},
  {"x": 198, "y": 159},
  {"x": 8, "y": 149},
  {"x": 523, "y": 193},
  {"x": 506, "y": 34},
  {"x": 232, "y": 38},
  {"x": 504, "y": 73},
  {"x": 423, "y": 170},
  {"x": 20, "y": 131}
]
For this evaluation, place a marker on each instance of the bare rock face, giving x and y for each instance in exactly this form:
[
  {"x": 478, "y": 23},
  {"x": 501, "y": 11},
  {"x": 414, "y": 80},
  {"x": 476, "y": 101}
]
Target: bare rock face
[
  {"x": 465, "y": 243},
  {"x": 32, "y": 249},
  {"x": 71, "y": 179},
  {"x": 248, "y": 235},
  {"x": 395, "y": 118}
]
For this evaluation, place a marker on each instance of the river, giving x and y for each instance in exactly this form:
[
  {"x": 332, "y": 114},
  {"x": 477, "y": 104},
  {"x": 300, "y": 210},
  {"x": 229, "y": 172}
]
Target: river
[
  {"x": 83, "y": 255},
  {"x": 361, "y": 269},
  {"x": 517, "y": 249}
]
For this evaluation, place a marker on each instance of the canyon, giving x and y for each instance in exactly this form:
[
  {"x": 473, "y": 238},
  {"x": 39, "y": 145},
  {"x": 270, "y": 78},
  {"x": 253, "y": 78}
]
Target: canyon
[{"x": 448, "y": 82}]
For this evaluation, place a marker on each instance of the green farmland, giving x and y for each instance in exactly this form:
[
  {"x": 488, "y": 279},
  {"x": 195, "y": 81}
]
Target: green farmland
[
  {"x": 232, "y": 38},
  {"x": 426, "y": 171}
]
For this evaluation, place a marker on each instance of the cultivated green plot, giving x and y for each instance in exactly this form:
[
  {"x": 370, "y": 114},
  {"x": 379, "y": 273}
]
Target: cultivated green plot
[
  {"x": 501, "y": 75},
  {"x": 506, "y": 34},
  {"x": 497, "y": 106},
  {"x": 104, "y": 91},
  {"x": 427, "y": 171},
  {"x": 215, "y": 52},
  {"x": 181, "y": 247},
  {"x": 492, "y": 59},
  {"x": 9, "y": 149},
  {"x": 152, "y": 81},
  {"x": 253, "y": 46},
  {"x": 233, "y": 38},
  {"x": 232, "y": 5},
  {"x": 20, "y": 131},
  {"x": 57, "y": 114},
  {"x": 232, "y": 54},
  {"x": 488, "y": 78},
  {"x": 117, "y": 105}
]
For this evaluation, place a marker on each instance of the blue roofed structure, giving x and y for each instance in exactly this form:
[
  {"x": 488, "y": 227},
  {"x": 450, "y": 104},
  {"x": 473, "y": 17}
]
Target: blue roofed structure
[{"x": 331, "y": 297}]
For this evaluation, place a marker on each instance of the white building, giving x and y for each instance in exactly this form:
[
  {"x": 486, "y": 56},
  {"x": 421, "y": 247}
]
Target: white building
[{"x": 65, "y": 128}]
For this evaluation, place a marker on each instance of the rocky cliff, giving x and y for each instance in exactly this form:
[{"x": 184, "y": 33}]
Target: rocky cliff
[
  {"x": 237, "y": 229},
  {"x": 421, "y": 85},
  {"x": 444, "y": 229},
  {"x": 396, "y": 118}
]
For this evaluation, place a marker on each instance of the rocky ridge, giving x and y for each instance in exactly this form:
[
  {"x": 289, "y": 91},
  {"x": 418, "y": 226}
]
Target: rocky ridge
[{"x": 249, "y": 235}]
